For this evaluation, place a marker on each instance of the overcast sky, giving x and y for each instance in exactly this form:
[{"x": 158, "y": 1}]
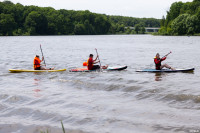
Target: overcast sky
[{"x": 133, "y": 8}]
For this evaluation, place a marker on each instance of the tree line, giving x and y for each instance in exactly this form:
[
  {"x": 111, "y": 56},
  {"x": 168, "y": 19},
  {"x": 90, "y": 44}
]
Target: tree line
[
  {"x": 16, "y": 19},
  {"x": 137, "y": 23},
  {"x": 182, "y": 19}
]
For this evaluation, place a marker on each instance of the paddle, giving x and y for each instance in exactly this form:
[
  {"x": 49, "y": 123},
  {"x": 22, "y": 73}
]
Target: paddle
[
  {"x": 98, "y": 58},
  {"x": 167, "y": 54},
  {"x": 42, "y": 54}
]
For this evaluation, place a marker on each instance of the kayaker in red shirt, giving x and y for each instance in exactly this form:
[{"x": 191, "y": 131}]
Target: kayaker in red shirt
[
  {"x": 91, "y": 62},
  {"x": 158, "y": 60}
]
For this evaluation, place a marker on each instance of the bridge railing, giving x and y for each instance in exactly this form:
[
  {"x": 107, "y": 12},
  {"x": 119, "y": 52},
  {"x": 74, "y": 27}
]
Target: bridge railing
[{"x": 147, "y": 29}]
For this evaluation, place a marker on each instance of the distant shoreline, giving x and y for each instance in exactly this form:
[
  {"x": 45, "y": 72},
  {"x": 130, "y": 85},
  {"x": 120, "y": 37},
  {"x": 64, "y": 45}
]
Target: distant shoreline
[{"x": 18, "y": 19}]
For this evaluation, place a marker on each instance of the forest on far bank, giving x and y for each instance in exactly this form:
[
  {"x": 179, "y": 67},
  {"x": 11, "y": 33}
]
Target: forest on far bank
[
  {"x": 17, "y": 19},
  {"x": 182, "y": 19}
]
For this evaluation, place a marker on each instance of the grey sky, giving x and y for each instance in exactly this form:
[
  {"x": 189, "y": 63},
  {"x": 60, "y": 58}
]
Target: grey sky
[{"x": 133, "y": 8}]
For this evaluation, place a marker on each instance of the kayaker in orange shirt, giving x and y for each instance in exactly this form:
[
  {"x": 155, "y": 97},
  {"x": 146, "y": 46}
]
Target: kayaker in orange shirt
[{"x": 37, "y": 65}]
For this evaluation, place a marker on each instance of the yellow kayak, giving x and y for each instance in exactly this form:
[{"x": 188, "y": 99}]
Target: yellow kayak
[{"x": 24, "y": 70}]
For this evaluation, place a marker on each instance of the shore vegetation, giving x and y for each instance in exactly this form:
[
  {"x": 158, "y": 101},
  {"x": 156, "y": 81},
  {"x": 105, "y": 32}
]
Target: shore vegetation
[
  {"x": 182, "y": 19},
  {"x": 17, "y": 20}
]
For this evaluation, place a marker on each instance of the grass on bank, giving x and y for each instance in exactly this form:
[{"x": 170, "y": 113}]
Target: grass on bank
[{"x": 63, "y": 129}]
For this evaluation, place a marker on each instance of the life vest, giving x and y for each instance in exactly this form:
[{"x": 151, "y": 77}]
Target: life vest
[
  {"x": 158, "y": 62},
  {"x": 36, "y": 63},
  {"x": 90, "y": 63},
  {"x": 84, "y": 63}
]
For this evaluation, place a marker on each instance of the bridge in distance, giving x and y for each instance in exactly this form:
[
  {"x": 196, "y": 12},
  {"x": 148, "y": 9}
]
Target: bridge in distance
[{"x": 148, "y": 29}]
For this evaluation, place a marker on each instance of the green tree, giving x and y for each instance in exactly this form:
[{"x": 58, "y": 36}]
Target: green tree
[
  {"x": 80, "y": 29},
  {"x": 7, "y": 24},
  {"x": 101, "y": 24},
  {"x": 89, "y": 28},
  {"x": 192, "y": 24},
  {"x": 137, "y": 28},
  {"x": 162, "y": 22},
  {"x": 120, "y": 28},
  {"x": 142, "y": 30},
  {"x": 179, "y": 26},
  {"x": 7, "y": 2},
  {"x": 36, "y": 23},
  {"x": 173, "y": 12},
  {"x": 198, "y": 21}
]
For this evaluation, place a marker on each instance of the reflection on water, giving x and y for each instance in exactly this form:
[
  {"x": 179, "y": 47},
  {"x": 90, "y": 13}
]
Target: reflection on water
[
  {"x": 36, "y": 82},
  {"x": 158, "y": 76},
  {"x": 36, "y": 90},
  {"x": 37, "y": 93}
]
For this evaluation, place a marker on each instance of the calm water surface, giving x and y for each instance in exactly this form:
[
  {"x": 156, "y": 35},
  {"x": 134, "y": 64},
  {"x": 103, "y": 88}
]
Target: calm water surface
[{"x": 99, "y": 102}]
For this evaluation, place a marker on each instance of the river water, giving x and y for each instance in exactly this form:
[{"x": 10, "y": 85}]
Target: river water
[{"x": 99, "y": 102}]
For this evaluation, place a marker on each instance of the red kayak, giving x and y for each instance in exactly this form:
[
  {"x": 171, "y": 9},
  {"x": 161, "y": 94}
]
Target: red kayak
[{"x": 116, "y": 68}]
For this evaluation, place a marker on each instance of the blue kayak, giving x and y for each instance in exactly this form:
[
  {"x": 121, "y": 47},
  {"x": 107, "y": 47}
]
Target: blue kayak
[{"x": 166, "y": 70}]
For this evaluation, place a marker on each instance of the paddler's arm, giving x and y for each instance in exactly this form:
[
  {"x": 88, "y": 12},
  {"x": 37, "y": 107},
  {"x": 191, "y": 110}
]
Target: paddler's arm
[
  {"x": 163, "y": 58},
  {"x": 95, "y": 62},
  {"x": 42, "y": 59},
  {"x": 96, "y": 57}
]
